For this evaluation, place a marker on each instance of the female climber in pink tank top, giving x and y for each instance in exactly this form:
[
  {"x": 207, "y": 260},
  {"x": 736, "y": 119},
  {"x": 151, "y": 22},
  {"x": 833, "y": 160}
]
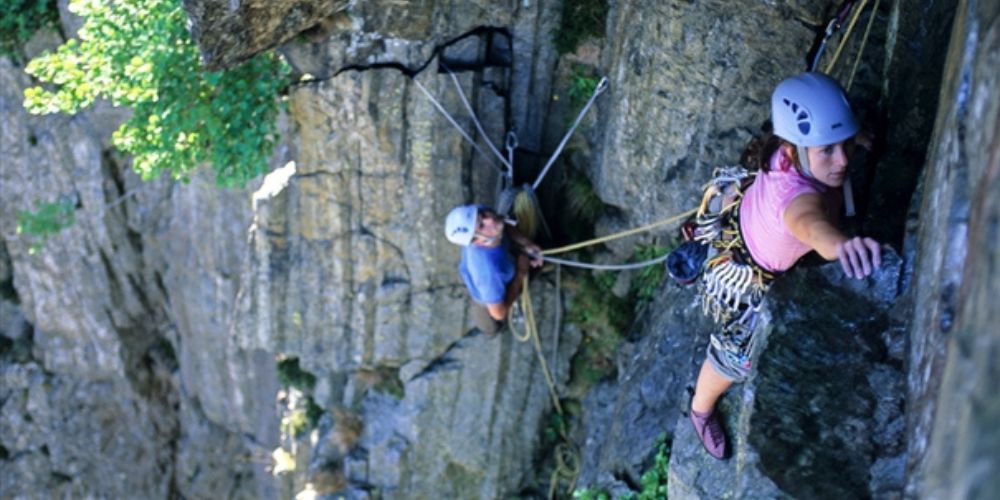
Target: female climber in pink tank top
[{"x": 790, "y": 209}]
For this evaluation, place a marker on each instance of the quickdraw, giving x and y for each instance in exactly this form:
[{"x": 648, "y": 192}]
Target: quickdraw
[{"x": 732, "y": 284}]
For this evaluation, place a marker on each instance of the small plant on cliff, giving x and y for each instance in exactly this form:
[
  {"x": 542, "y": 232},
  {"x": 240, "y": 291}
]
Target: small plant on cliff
[
  {"x": 20, "y": 20},
  {"x": 290, "y": 374},
  {"x": 653, "y": 482},
  {"x": 139, "y": 54},
  {"x": 602, "y": 317},
  {"x": 582, "y": 86},
  {"x": 647, "y": 280},
  {"x": 49, "y": 218}
]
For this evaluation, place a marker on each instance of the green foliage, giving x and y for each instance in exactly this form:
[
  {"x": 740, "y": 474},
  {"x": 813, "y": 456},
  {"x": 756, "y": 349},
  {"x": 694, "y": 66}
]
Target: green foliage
[
  {"x": 139, "y": 54},
  {"x": 654, "y": 480},
  {"x": 581, "y": 19},
  {"x": 313, "y": 412},
  {"x": 581, "y": 87},
  {"x": 554, "y": 430},
  {"x": 591, "y": 494},
  {"x": 47, "y": 220},
  {"x": 22, "y": 18},
  {"x": 647, "y": 280},
  {"x": 291, "y": 375},
  {"x": 583, "y": 203},
  {"x": 295, "y": 424},
  {"x": 602, "y": 317}
]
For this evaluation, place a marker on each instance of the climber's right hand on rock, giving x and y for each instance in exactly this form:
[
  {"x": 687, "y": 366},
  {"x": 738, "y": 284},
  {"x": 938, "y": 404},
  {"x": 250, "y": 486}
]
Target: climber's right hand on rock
[{"x": 859, "y": 256}]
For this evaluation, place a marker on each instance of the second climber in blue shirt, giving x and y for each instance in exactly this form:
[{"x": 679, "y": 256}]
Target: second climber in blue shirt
[{"x": 492, "y": 270}]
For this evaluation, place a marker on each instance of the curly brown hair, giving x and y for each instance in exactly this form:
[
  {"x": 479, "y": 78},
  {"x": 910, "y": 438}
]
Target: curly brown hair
[{"x": 757, "y": 154}]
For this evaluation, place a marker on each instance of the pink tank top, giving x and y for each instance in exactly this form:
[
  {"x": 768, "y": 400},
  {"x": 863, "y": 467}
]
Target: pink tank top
[{"x": 762, "y": 215}]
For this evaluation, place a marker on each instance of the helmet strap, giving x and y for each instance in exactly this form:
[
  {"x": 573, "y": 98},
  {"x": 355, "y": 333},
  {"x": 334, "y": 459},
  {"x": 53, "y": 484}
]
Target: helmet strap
[
  {"x": 804, "y": 161},
  {"x": 487, "y": 241}
]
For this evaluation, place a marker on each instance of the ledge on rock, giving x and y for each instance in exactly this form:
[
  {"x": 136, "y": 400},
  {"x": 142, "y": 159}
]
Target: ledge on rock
[{"x": 822, "y": 413}]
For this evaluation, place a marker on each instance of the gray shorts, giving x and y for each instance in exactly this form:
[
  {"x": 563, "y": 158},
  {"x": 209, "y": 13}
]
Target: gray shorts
[
  {"x": 482, "y": 319},
  {"x": 731, "y": 350}
]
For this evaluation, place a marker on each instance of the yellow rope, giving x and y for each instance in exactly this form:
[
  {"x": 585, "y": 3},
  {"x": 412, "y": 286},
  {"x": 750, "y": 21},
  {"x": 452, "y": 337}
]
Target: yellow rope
[
  {"x": 630, "y": 232},
  {"x": 567, "y": 461},
  {"x": 861, "y": 50},
  {"x": 846, "y": 36}
]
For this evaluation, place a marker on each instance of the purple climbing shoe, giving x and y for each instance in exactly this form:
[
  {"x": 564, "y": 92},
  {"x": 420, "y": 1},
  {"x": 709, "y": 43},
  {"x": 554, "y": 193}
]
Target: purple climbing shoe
[{"x": 710, "y": 433}]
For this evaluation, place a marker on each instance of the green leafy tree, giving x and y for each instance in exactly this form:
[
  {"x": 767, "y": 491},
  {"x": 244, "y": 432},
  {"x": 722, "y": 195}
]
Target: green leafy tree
[
  {"x": 19, "y": 19},
  {"x": 139, "y": 54}
]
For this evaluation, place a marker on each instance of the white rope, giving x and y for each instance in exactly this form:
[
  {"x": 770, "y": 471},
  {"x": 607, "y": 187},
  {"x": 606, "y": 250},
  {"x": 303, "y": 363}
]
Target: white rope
[
  {"x": 475, "y": 121},
  {"x": 601, "y": 87},
  {"x": 607, "y": 267},
  {"x": 451, "y": 120}
]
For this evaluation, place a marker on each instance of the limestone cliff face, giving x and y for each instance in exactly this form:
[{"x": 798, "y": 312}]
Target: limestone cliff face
[
  {"x": 349, "y": 272},
  {"x": 119, "y": 379},
  {"x": 952, "y": 411},
  {"x": 148, "y": 333}
]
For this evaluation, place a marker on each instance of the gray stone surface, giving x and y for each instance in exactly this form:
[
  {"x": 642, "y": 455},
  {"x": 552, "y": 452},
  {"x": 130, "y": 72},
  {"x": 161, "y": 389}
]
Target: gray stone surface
[
  {"x": 128, "y": 304},
  {"x": 951, "y": 432},
  {"x": 150, "y": 329},
  {"x": 229, "y": 33},
  {"x": 689, "y": 85}
]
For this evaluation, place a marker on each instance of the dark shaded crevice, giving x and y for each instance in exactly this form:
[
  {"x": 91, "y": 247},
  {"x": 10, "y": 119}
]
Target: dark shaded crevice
[
  {"x": 497, "y": 55},
  {"x": 7, "y": 290},
  {"x": 443, "y": 361}
]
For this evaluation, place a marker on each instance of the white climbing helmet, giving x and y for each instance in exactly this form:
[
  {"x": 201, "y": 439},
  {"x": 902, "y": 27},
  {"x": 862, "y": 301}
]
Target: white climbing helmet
[
  {"x": 460, "y": 226},
  {"x": 810, "y": 110}
]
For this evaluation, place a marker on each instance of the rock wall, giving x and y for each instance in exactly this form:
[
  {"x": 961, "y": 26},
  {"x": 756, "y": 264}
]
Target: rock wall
[
  {"x": 350, "y": 275},
  {"x": 148, "y": 333},
  {"x": 690, "y": 85},
  {"x": 115, "y": 331},
  {"x": 900, "y": 357},
  {"x": 952, "y": 437}
]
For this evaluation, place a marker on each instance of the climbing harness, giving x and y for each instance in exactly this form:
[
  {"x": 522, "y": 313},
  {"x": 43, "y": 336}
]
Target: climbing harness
[
  {"x": 731, "y": 279},
  {"x": 732, "y": 287}
]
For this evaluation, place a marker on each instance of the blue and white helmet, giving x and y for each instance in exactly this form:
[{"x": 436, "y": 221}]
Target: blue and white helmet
[
  {"x": 460, "y": 226},
  {"x": 811, "y": 110}
]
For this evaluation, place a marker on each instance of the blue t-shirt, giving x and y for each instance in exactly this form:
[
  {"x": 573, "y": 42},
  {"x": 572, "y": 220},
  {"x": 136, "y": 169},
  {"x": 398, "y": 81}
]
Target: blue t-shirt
[{"x": 487, "y": 271}]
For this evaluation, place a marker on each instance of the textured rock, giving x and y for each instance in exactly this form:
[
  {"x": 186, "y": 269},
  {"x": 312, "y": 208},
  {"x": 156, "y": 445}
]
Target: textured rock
[
  {"x": 689, "y": 85},
  {"x": 622, "y": 419},
  {"x": 72, "y": 437},
  {"x": 157, "y": 306},
  {"x": 355, "y": 223},
  {"x": 951, "y": 431},
  {"x": 229, "y": 33},
  {"x": 131, "y": 303}
]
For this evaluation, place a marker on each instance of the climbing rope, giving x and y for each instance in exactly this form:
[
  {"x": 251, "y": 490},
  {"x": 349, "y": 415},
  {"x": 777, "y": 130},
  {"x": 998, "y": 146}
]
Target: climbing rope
[
  {"x": 475, "y": 121},
  {"x": 864, "y": 42},
  {"x": 607, "y": 267},
  {"x": 630, "y": 232},
  {"x": 831, "y": 28},
  {"x": 598, "y": 90},
  {"x": 846, "y": 36},
  {"x": 567, "y": 458},
  {"x": 460, "y": 130}
]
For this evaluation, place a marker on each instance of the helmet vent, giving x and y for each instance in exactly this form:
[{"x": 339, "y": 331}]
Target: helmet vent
[{"x": 835, "y": 126}]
